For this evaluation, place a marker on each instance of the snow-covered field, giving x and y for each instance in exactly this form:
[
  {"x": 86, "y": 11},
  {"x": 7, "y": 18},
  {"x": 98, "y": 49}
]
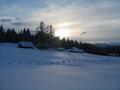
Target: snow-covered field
[{"x": 32, "y": 69}]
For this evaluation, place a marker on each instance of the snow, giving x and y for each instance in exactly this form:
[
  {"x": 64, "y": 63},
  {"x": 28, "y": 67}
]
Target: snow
[{"x": 33, "y": 69}]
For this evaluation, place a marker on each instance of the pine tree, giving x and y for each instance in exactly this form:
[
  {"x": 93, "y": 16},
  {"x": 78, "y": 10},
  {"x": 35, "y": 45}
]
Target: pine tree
[{"x": 2, "y": 34}]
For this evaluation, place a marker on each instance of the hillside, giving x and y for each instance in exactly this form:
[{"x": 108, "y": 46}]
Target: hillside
[{"x": 33, "y": 69}]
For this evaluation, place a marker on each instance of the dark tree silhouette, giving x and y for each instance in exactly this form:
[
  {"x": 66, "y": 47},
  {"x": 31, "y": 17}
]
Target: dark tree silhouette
[
  {"x": 2, "y": 34},
  {"x": 44, "y": 38}
]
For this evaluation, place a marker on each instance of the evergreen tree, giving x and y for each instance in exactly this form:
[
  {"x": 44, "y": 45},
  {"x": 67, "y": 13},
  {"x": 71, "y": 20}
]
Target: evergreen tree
[
  {"x": 8, "y": 35},
  {"x": 2, "y": 34}
]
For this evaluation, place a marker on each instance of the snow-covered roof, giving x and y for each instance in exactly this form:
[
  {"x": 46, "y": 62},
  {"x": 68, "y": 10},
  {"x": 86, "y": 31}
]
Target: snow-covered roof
[{"x": 26, "y": 44}]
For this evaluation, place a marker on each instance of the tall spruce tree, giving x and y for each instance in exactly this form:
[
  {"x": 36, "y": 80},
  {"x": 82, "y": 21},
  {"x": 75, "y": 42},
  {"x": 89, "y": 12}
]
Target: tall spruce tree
[{"x": 2, "y": 34}]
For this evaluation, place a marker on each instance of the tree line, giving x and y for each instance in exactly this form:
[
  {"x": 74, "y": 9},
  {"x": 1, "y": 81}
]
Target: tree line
[{"x": 44, "y": 38}]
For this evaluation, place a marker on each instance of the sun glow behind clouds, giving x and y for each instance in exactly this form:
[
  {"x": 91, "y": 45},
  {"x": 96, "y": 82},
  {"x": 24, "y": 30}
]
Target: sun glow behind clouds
[
  {"x": 62, "y": 33},
  {"x": 99, "y": 26}
]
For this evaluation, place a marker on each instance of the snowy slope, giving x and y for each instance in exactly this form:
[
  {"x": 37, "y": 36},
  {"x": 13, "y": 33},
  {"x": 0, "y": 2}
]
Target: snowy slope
[{"x": 32, "y": 69}]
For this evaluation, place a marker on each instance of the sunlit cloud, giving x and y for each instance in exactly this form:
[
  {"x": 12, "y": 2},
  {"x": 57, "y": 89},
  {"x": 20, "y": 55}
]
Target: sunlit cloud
[{"x": 96, "y": 17}]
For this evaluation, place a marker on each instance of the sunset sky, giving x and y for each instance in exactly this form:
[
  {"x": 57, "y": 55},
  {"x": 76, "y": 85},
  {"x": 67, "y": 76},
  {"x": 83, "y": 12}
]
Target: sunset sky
[{"x": 99, "y": 19}]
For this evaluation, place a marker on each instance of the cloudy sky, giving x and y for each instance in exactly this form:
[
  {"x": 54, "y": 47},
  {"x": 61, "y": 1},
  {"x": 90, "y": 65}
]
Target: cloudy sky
[{"x": 99, "y": 19}]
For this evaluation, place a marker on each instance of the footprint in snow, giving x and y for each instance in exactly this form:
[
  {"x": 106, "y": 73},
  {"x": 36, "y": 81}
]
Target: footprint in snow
[
  {"x": 29, "y": 63},
  {"x": 37, "y": 63},
  {"x": 63, "y": 61},
  {"x": 19, "y": 62},
  {"x": 57, "y": 62},
  {"x": 68, "y": 61},
  {"x": 10, "y": 63},
  {"x": 51, "y": 63}
]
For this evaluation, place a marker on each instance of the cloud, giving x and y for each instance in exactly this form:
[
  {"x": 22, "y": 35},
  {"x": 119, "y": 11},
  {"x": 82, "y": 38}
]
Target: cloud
[
  {"x": 95, "y": 17},
  {"x": 18, "y": 23},
  {"x": 84, "y": 14},
  {"x": 5, "y": 20},
  {"x": 8, "y": 19}
]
